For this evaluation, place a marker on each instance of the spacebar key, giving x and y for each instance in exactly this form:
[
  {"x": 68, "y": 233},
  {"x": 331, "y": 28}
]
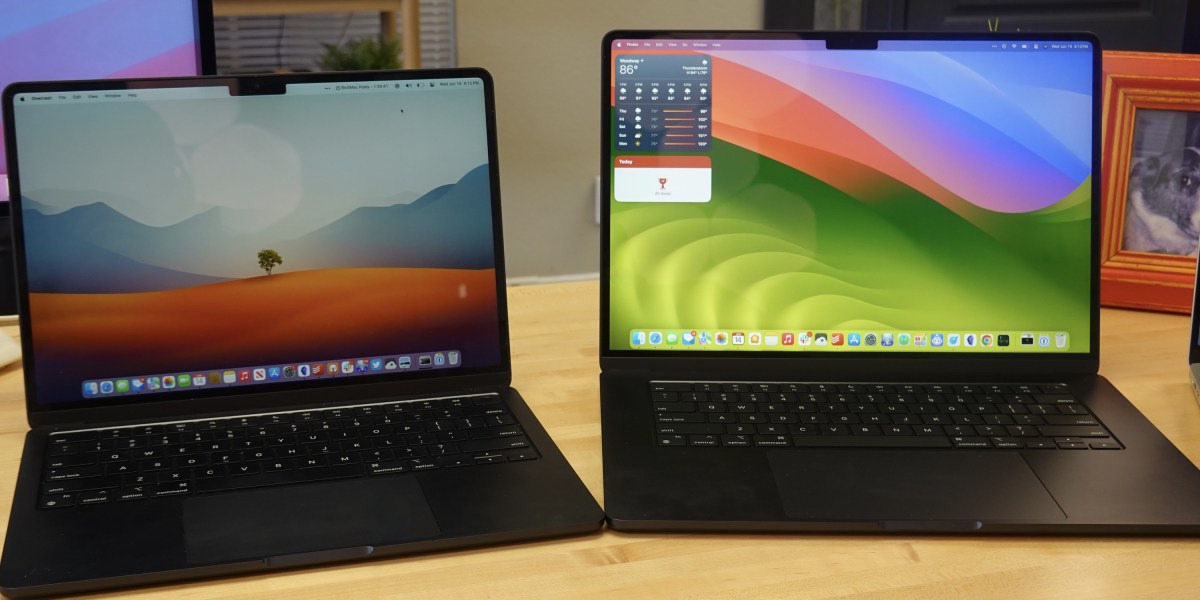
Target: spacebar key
[{"x": 869, "y": 441}]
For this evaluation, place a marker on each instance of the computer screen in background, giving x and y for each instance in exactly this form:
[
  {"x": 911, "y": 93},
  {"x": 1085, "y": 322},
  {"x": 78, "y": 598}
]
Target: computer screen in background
[{"x": 94, "y": 39}]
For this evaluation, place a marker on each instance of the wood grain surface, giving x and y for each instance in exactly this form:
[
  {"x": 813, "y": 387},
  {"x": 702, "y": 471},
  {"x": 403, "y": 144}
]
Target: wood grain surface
[{"x": 555, "y": 358}]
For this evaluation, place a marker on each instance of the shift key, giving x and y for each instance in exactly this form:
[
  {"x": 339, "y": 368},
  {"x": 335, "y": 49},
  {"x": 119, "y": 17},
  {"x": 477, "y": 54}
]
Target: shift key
[
  {"x": 1073, "y": 431},
  {"x": 490, "y": 445}
]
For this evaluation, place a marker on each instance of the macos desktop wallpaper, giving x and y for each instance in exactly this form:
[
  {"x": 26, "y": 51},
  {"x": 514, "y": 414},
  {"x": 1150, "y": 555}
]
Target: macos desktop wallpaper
[
  {"x": 143, "y": 220},
  {"x": 914, "y": 190}
]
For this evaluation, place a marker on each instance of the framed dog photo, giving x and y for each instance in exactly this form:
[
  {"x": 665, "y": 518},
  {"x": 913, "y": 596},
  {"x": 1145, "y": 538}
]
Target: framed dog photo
[{"x": 1150, "y": 184}]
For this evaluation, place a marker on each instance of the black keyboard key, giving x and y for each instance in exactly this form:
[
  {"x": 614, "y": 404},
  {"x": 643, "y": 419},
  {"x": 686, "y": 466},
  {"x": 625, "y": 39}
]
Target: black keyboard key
[
  {"x": 495, "y": 444},
  {"x": 492, "y": 432},
  {"x": 1005, "y": 442},
  {"x": 385, "y": 467},
  {"x": 92, "y": 497},
  {"x": 869, "y": 441},
  {"x": 663, "y": 440},
  {"x": 174, "y": 476},
  {"x": 173, "y": 489},
  {"x": 990, "y": 430},
  {"x": 137, "y": 492},
  {"x": 450, "y": 462},
  {"x": 970, "y": 442},
  {"x": 670, "y": 386},
  {"x": 245, "y": 469},
  {"x": 679, "y": 418},
  {"x": 213, "y": 471},
  {"x": 57, "y": 500},
  {"x": 520, "y": 455},
  {"x": 75, "y": 485},
  {"x": 72, "y": 437},
  {"x": 423, "y": 464},
  {"x": 773, "y": 440},
  {"x": 63, "y": 449},
  {"x": 489, "y": 459},
  {"x": 1083, "y": 419},
  {"x": 690, "y": 428},
  {"x": 1085, "y": 431},
  {"x": 1054, "y": 399},
  {"x": 70, "y": 460},
  {"x": 77, "y": 472},
  {"x": 284, "y": 464}
]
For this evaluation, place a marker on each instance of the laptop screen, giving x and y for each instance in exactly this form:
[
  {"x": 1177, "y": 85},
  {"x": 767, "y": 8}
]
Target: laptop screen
[
  {"x": 921, "y": 196},
  {"x": 189, "y": 241},
  {"x": 86, "y": 39}
]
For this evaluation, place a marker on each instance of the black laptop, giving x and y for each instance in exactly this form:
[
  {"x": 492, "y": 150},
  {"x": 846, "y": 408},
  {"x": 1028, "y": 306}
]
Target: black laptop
[
  {"x": 849, "y": 283},
  {"x": 264, "y": 325}
]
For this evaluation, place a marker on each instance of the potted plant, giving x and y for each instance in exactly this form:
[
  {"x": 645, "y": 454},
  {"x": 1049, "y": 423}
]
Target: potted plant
[{"x": 369, "y": 53}]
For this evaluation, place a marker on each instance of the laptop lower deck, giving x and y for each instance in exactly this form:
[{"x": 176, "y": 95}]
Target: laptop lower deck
[
  {"x": 211, "y": 455},
  {"x": 848, "y": 415}
]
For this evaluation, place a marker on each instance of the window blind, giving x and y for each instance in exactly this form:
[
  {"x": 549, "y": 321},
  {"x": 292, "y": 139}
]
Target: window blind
[{"x": 258, "y": 44}]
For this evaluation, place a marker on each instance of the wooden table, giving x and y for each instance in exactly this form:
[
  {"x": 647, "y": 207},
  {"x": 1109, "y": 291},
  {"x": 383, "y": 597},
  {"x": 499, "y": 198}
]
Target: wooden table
[
  {"x": 555, "y": 362},
  {"x": 410, "y": 40}
]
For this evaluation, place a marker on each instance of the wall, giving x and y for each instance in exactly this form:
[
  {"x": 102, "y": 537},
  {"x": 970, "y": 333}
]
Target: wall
[{"x": 545, "y": 58}]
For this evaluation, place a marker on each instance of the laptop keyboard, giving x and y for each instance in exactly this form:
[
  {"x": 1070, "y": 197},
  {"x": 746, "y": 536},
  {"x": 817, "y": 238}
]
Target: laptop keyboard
[
  {"x": 211, "y": 455},
  {"x": 741, "y": 414}
]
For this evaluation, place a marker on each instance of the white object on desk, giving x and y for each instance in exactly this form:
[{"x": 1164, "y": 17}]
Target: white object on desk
[{"x": 10, "y": 350}]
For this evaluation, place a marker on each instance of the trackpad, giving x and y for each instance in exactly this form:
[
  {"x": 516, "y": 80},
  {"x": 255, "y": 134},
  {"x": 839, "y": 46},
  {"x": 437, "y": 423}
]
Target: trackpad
[
  {"x": 910, "y": 485},
  {"x": 284, "y": 520}
]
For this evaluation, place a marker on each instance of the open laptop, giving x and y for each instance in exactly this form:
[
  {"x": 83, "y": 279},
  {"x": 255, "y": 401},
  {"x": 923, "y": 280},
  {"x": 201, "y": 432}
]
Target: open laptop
[
  {"x": 849, "y": 282},
  {"x": 266, "y": 327}
]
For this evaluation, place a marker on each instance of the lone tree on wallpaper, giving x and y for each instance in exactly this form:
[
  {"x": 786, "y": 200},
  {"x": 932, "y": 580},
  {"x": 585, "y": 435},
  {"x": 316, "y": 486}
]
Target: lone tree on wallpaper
[{"x": 269, "y": 259}]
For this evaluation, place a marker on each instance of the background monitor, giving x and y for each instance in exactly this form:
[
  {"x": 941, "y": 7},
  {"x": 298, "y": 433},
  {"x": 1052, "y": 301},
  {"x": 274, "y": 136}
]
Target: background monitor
[{"x": 94, "y": 39}]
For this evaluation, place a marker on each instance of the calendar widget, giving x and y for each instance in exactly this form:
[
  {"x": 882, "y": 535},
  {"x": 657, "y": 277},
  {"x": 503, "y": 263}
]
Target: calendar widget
[{"x": 662, "y": 178}]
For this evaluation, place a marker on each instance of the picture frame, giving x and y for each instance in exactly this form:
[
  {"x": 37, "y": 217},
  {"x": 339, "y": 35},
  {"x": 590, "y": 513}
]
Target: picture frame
[{"x": 1150, "y": 119}]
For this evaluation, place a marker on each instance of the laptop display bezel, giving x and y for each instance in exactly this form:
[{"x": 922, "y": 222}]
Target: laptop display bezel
[
  {"x": 809, "y": 363},
  {"x": 270, "y": 395}
]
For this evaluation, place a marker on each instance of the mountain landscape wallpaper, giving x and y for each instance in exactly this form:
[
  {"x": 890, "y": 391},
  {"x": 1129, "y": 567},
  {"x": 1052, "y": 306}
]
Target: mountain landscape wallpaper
[{"x": 148, "y": 262}]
